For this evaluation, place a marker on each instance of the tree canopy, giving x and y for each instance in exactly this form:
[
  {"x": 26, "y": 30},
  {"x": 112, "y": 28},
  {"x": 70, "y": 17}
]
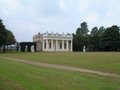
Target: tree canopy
[
  {"x": 6, "y": 36},
  {"x": 110, "y": 39},
  {"x": 83, "y": 29},
  {"x": 81, "y": 38},
  {"x": 99, "y": 39}
]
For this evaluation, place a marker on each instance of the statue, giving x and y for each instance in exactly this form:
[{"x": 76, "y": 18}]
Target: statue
[
  {"x": 19, "y": 48},
  {"x": 84, "y": 50},
  {"x": 32, "y": 49},
  {"x": 26, "y": 48}
]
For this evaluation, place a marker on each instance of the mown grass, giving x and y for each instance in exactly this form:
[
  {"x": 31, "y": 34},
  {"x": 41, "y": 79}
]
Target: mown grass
[
  {"x": 103, "y": 61},
  {"x": 20, "y": 76}
]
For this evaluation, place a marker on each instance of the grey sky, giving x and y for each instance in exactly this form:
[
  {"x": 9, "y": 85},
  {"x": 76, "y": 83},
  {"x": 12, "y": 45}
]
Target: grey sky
[{"x": 28, "y": 17}]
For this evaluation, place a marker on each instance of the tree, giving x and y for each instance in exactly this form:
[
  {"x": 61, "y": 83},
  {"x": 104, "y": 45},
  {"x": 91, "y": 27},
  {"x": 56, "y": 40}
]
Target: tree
[
  {"x": 110, "y": 38},
  {"x": 81, "y": 38},
  {"x": 100, "y": 36},
  {"x": 83, "y": 29},
  {"x": 102, "y": 39},
  {"x": 101, "y": 31},
  {"x": 94, "y": 40},
  {"x": 10, "y": 39},
  {"x": 6, "y": 36},
  {"x": 94, "y": 31},
  {"x": 78, "y": 31},
  {"x": 3, "y": 33}
]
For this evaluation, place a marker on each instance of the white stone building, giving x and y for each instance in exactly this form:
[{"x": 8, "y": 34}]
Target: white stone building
[{"x": 53, "y": 42}]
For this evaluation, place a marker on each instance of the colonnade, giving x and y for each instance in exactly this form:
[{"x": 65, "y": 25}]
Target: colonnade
[{"x": 57, "y": 45}]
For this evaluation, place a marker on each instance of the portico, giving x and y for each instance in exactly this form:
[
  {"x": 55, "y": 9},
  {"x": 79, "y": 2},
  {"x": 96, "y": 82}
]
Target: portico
[
  {"x": 57, "y": 45},
  {"x": 55, "y": 42}
]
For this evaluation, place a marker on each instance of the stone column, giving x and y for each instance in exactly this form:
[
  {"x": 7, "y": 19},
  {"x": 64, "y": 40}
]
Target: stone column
[
  {"x": 67, "y": 46},
  {"x": 71, "y": 45},
  {"x": 52, "y": 44},
  {"x": 62, "y": 45},
  {"x": 43, "y": 45},
  {"x": 47, "y": 45},
  {"x": 56, "y": 45}
]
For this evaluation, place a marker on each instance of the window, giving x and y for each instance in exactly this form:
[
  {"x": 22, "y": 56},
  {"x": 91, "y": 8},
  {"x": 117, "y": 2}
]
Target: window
[
  {"x": 60, "y": 45},
  {"x": 45, "y": 45},
  {"x": 64, "y": 45},
  {"x": 49, "y": 45},
  {"x": 69, "y": 45}
]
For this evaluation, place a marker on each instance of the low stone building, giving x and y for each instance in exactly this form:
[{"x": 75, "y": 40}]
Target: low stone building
[{"x": 53, "y": 42}]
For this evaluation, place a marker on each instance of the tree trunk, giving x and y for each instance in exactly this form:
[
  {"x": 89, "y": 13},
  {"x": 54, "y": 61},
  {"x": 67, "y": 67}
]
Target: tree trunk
[{"x": 4, "y": 50}]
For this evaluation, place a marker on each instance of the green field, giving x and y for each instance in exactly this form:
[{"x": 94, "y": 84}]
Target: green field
[
  {"x": 102, "y": 61},
  {"x": 20, "y": 76}
]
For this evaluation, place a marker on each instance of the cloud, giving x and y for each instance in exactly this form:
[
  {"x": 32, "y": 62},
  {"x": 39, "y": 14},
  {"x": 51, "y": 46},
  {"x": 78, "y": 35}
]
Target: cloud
[
  {"x": 34, "y": 16},
  {"x": 83, "y": 5},
  {"x": 62, "y": 5},
  {"x": 88, "y": 5},
  {"x": 6, "y": 13},
  {"x": 12, "y": 4},
  {"x": 92, "y": 18}
]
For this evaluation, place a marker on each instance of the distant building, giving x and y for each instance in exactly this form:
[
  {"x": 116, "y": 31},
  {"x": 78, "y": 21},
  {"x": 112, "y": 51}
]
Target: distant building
[{"x": 53, "y": 42}]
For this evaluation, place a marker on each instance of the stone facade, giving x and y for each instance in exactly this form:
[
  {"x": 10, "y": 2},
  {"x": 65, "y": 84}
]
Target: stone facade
[
  {"x": 53, "y": 42},
  {"x": 38, "y": 39}
]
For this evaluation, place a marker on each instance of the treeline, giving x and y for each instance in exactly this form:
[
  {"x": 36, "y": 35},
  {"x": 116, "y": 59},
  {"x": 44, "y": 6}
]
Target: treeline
[
  {"x": 6, "y": 37},
  {"x": 99, "y": 39}
]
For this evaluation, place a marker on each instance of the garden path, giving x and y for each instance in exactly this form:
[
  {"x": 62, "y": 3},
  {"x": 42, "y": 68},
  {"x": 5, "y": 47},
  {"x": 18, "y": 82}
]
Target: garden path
[{"x": 56, "y": 66}]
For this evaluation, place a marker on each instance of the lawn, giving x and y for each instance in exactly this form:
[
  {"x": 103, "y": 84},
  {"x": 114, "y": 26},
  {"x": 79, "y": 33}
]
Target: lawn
[
  {"x": 20, "y": 76},
  {"x": 102, "y": 61}
]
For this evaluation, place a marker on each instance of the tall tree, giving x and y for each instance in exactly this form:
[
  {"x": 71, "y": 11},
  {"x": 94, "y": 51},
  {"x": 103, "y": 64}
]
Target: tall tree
[
  {"x": 110, "y": 38},
  {"x": 100, "y": 36},
  {"x": 101, "y": 31},
  {"x": 2, "y": 31},
  {"x": 94, "y": 40},
  {"x": 3, "y": 34},
  {"x": 94, "y": 31},
  {"x": 83, "y": 29},
  {"x": 10, "y": 39},
  {"x": 6, "y": 37},
  {"x": 78, "y": 31},
  {"x": 81, "y": 38}
]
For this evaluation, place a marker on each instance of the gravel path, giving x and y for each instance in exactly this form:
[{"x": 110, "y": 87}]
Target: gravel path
[{"x": 63, "y": 67}]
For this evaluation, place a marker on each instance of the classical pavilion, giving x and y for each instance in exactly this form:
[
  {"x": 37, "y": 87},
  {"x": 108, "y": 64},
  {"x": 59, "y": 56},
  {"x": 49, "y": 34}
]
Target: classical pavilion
[{"x": 53, "y": 42}]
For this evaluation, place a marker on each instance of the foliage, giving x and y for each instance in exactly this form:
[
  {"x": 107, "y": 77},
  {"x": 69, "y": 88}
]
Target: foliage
[
  {"x": 94, "y": 31},
  {"x": 10, "y": 39},
  {"x": 28, "y": 44},
  {"x": 81, "y": 38},
  {"x": 110, "y": 39},
  {"x": 83, "y": 30},
  {"x": 3, "y": 33},
  {"x": 98, "y": 40},
  {"x": 6, "y": 36},
  {"x": 95, "y": 39}
]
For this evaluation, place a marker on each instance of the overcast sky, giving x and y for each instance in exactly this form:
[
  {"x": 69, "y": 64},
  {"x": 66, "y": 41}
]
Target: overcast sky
[{"x": 26, "y": 18}]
